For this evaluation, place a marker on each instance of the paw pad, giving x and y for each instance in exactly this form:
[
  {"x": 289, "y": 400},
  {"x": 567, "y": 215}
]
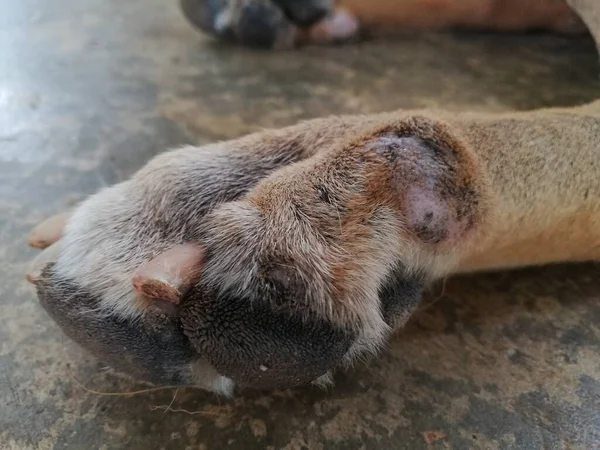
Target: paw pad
[{"x": 251, "y": 23}]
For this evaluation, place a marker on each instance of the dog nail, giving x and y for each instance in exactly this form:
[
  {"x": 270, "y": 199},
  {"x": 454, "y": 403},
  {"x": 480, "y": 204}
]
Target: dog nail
[
  {"x": 36, "y": 267},
  {"x": 171, "y": 274},
  {"x": 48, "y": 232}
]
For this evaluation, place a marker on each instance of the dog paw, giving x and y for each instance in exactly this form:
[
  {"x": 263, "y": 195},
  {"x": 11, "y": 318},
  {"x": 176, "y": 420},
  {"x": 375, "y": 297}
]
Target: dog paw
[
  {"x": 322, "y": 259},
  {"x": 264, "y": 262},
  {"x": 95, "y": 276},
  {"x": 271, "y": 24}
]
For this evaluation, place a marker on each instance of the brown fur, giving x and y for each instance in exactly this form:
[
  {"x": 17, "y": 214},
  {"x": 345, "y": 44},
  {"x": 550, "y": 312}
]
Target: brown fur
[
  {"x": 507, "y": 15},
  {"x": 533, "y": 176},
  {"x": 385, "y": 17},
  {"x": 523, "y": 163}
]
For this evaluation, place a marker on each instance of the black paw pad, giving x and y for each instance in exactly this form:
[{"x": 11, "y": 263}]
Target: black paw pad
[
  {"x": 400, "y": 295},
  {"x": 252, "y": 23},
  {"x": 305, "y": 12},
  {"x": 261, "y": 347}
]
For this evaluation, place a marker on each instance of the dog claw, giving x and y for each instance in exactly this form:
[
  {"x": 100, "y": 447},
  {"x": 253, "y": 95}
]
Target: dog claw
[
  {"x": 36, "y": 267},
  {"x": 48, "y": 232},
  {"x": 171, "y": 274}
]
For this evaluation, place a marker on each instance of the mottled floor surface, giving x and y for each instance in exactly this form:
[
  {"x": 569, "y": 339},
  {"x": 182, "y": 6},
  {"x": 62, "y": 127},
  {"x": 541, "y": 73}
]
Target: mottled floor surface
[{"x": 89, "y": 90}]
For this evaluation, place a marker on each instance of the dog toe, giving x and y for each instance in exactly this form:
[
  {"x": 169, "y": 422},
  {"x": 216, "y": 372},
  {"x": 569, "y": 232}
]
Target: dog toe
[{"x": 250, "y": 23}]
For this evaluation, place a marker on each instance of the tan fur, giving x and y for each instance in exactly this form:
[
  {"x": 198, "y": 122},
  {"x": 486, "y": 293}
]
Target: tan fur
[
  {"x": 589, "y": 12},
  {"x": 544, "y": 191},
  {"x": 488, "y": 14},
  {"x": 545, "y": 185},
  {"x": 385, "y": 17}
]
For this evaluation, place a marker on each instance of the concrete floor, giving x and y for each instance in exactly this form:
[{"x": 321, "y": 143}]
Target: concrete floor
[{"x": 90, "y": 90}]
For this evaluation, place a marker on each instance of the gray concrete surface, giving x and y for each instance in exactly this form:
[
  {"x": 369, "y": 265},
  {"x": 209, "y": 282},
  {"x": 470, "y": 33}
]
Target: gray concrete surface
[{"x": 90, "y": 90}]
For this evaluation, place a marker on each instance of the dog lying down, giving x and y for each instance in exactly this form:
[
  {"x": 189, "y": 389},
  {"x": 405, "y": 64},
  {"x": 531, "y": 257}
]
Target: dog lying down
[{"x": 271, "y": 260}]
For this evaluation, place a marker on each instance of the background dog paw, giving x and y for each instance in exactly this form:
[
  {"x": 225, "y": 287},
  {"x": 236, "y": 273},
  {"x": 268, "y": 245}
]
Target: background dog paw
[{"x": 271, "y": 24}]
